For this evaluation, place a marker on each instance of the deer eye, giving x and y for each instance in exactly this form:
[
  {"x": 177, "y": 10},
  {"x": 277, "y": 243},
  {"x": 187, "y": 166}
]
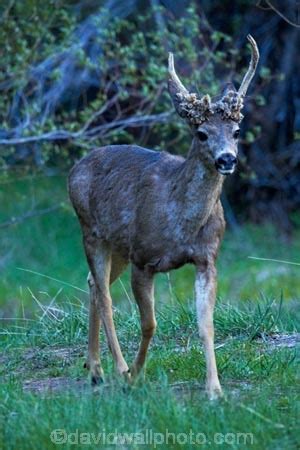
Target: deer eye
[
  {"x": 236, "y": 134},
  {"x": 202, "y": 136}
]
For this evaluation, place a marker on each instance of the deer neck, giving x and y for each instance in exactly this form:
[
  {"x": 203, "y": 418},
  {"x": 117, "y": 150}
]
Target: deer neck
[{"x": 196, "y": 188}]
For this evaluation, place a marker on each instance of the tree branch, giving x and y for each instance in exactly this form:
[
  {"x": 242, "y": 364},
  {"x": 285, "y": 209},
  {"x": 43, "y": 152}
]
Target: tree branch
[
  {"x": 20, "y": 219},
  {"x": 84, "y": 133}
]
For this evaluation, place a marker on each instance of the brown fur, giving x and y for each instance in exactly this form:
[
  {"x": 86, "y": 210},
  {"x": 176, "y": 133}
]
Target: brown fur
[{"x": 158, "y": 212}]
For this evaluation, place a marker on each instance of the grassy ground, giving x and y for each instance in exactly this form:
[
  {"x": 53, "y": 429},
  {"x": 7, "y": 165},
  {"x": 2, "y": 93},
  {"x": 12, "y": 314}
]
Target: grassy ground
[{"x": 44, "y": 386}]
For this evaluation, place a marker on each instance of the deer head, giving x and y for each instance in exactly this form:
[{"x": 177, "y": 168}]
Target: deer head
[{"x": 215, "y": 124}]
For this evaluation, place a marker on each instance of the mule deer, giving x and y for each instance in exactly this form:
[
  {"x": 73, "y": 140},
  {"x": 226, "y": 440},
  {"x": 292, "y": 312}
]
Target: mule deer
[{"x": 158, "y": 212}]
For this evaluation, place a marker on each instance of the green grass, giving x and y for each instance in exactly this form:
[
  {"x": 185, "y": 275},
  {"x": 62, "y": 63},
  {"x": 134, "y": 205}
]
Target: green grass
[
  {"x": 259, "y": 379},
  {"x": 45, "y": 342}
]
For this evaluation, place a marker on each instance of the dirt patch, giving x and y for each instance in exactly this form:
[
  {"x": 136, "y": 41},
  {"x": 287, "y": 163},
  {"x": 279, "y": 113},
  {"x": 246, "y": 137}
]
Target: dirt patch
[
  {"x": 64, "y": 353},
  {"x": 58, "y": 384},
  {"x": 278, "y": 340},
  {"x": 43, "y": 359},
  {"x": 189, "y": 390},
  {"x": 42, "y": 362}
]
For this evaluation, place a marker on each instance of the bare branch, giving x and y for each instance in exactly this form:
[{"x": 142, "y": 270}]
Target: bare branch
[
  {"x": 51, "y": 136},
  {"x": 34, "y": 213},
  {"x": 137, "y": 121},
  {"x": 84, "y": 133}
]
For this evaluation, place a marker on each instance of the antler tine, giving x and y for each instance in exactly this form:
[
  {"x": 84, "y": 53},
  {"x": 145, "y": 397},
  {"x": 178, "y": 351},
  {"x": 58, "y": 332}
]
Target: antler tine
[
  {"x": 174, "y": 78},
  {"x": 252, "y": 67}
]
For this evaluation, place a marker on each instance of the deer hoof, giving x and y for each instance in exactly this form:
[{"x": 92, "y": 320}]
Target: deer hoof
[
  {"x": 214, "y": 392},
  {"x": 96, "y": 373},
  {"x": 127, "y": 375},
  {"x": 96, "y": 380},
  {"x": 86, "y": 365},
  {"x": 135, "y": 373}
]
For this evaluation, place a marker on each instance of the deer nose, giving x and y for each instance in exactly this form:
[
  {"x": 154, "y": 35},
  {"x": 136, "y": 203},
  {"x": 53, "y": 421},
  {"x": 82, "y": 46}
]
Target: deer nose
[{"x": 225, "y": 163}]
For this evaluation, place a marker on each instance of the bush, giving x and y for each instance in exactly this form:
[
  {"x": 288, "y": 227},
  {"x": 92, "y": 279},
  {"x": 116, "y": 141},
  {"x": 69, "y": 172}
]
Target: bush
[{"x": 89, "y": 73}]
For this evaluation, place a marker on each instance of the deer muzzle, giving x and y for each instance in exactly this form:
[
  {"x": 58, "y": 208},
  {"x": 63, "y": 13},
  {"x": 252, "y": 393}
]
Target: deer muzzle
[{"x": 226, "y": 163}]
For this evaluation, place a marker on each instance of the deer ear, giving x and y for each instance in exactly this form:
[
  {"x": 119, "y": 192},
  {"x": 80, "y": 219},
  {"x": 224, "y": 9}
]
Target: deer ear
[{"x": 228, "y": 87}]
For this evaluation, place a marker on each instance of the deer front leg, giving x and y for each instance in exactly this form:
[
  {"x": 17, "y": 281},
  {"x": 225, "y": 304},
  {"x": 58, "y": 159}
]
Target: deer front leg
[{"x": 205, "y": 287}]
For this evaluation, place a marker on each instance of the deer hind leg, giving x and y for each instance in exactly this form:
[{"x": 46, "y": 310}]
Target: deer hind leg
[
  {"x": 205, "y": 287},
  {"x": 93, "y": 363},
  {"x": 143, "y": 290},
  {"x": 99, "y": 259}
]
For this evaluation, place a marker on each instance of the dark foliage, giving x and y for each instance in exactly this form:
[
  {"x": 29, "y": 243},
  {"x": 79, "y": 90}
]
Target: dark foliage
[{"x": 79, "y": 75}]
